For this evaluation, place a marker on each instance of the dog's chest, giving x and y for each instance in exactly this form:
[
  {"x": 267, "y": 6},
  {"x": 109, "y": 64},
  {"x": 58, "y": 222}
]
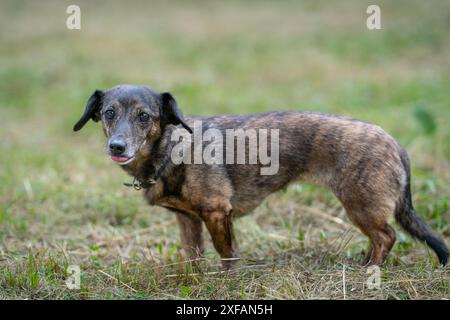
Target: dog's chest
[{"x": 159, "y": 195}]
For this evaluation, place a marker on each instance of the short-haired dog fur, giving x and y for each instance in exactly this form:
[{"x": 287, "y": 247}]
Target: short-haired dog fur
[{"x": 367, "y": 170}]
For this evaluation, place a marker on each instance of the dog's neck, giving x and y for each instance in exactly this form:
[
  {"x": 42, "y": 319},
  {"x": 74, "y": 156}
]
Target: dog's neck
[{"x": 155, "y": 163}]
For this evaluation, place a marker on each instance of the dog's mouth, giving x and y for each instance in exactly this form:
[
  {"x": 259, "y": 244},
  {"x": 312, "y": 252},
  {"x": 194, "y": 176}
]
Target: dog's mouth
[{"x": 122, "y": 160}]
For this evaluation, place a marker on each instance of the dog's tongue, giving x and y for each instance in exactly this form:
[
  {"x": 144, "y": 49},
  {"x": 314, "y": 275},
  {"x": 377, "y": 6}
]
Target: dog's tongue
[{"x": 119, "y": 159}]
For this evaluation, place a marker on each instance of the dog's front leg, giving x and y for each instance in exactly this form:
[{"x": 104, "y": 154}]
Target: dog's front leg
[
  {"x": 220, "y": 226},
  {"x": 191, "y": 235}
]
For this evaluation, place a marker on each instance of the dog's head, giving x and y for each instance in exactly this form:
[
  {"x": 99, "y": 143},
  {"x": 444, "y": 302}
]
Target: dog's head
[{"x": 133, "y": 118}]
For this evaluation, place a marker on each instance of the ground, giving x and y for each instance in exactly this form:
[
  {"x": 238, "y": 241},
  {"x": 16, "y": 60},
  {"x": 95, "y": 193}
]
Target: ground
[{"x": 62, "y": 201}]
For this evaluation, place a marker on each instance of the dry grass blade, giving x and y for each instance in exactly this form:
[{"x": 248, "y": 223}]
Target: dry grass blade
[{"x": 113, "y": 278}]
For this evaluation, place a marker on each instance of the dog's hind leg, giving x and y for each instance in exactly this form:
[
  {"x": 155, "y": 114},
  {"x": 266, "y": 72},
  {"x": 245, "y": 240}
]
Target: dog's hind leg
[
  {"x": 372, "y": 222},
  {"x": 191, "y": 235},
  {"x": 382, "y": 240}
]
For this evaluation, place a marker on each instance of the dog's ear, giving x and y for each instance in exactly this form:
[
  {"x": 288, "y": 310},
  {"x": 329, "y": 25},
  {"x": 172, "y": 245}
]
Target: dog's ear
[
  {"x": 91, "y": 111},
  {"x": 170, "y": 113}
]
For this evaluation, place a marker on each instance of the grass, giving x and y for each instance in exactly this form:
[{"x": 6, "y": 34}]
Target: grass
[{"x": 62, "y": 202}]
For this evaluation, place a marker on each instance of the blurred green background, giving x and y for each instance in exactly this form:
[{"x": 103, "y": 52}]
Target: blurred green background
[{"x": 214, "y": 57}]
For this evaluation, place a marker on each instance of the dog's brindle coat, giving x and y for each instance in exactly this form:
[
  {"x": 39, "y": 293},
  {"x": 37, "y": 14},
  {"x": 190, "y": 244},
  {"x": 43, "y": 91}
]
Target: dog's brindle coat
[{"x": 365, "y": 168}]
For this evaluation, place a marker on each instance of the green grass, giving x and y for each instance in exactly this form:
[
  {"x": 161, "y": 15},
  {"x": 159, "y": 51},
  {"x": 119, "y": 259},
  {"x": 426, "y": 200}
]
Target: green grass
[{"x": 62, "y": 201}]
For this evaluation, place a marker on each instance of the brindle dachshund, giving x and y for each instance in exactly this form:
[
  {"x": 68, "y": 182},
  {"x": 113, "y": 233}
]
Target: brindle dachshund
[{"x": 364, "y": 167}]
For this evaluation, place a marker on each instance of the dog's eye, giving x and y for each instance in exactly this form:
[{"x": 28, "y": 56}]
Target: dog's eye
[
  {"x": 144, "y": 116},
  {"x": 109, "y": 114}
]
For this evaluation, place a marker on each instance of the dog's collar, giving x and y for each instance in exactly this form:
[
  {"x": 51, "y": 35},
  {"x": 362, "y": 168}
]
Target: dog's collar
[{"x": 138, "y": 184}]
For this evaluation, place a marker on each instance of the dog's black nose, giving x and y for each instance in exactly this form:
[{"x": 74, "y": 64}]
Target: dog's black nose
[{"x": 117, "y": 147}]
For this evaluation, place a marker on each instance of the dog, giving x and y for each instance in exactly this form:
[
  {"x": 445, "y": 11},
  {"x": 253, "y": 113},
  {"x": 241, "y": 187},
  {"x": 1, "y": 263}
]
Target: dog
[{"x": 367, "y": 170}]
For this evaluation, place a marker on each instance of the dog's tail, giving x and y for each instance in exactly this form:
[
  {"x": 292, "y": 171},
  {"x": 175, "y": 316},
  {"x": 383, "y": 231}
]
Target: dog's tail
[{"x": 407, "y": 217}]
